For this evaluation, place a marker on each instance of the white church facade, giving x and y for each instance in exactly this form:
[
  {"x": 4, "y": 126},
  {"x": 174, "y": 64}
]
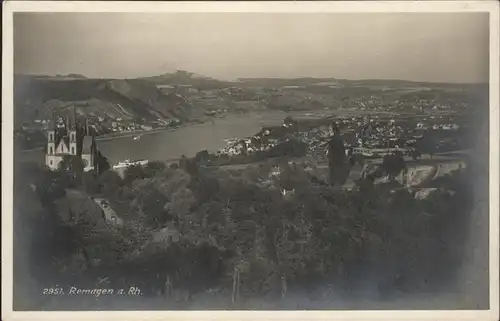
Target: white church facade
[{"x": 70, "y": 139}]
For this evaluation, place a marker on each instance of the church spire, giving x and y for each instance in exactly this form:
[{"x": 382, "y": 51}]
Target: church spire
[
  {"x": 87, "y": 132},
  {"x": 74, "y": 117},
  {"x": 54, "y": 120}
]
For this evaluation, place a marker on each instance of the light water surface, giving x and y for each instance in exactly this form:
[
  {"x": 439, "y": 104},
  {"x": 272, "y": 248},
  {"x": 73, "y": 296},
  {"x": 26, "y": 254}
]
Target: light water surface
[{"x": 172, "y": 144}]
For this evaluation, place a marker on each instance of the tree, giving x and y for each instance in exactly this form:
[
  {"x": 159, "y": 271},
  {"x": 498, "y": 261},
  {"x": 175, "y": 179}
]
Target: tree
[
  {"x": 162, "y": 197},
  {"x": 336, "y": 160},
  {"x": 73, "y": 165},
  {"x": 102, "y": 163},
  {"x": 134, "y": 172},
  {"x": 90, "y": 182},
  {"x": 183, "y": 162},
  {"x": 110, "y": 183},
  {"x": 416, "y": 154},
  {"x": 154, "y": 168},
  {"x": 202, "y": 156},
  {"x": 192, "y": 168},
  {"x": 357, "y": 159},
  {"x": 150, "y": 202},
  {"x": 44, "y": 239},
  {"x": 393, "y": 164},
  {"x": 428, "y": 144},
  {"x": 32, "y": 170}
]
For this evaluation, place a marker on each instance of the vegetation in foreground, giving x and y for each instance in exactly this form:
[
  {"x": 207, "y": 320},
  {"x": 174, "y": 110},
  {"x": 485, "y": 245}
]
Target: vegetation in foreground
[{"x": 241, "y": 234}]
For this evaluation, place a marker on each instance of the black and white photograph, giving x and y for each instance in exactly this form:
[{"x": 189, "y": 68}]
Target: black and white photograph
[{"x": 250, "y": 160}]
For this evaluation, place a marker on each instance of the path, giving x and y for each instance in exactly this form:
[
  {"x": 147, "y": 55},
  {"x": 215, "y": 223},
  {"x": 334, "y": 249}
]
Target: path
[{"x": 110, "y": 217}]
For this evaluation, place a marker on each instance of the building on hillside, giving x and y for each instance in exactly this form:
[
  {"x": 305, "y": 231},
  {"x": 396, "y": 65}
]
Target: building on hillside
[{"x": 72, "y": 139}]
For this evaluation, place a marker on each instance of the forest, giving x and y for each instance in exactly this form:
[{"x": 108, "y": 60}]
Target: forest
[{"x": 268, "y": 231}]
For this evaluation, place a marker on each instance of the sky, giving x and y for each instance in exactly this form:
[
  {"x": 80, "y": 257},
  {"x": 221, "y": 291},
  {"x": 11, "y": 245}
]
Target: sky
[{"x": 435, "y": 47}]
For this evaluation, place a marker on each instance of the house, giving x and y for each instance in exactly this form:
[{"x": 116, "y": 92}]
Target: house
[{"x": 71, "y": 140}]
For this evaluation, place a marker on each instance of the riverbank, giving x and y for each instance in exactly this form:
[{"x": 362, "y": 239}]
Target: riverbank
[
  {"x": 159, "y": 130},
  {"x": 118, "y": 135},
  {"x": 146, "y": 132},
  {"x": 275, "y": 117},
  {"x": 112, "y": 136},
  {"x": 134, "y": 133}
]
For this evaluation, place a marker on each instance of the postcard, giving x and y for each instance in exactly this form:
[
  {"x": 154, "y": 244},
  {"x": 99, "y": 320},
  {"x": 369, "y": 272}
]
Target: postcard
[{"x": 250, "y": 160}]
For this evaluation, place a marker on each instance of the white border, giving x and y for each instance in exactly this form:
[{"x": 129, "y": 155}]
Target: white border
[
  {"x": 300, "y": 7},
  {"x": 252, "y": 6}
]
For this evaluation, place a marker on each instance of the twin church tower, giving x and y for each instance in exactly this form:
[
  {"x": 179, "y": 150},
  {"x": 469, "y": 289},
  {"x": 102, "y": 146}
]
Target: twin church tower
[{"x": 71, "y": 139}]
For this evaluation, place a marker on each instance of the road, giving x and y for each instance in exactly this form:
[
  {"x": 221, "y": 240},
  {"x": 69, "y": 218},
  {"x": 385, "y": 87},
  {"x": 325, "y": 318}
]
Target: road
[{"x": 448, "y": 157}]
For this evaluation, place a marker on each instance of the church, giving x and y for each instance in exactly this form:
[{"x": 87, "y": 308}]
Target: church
[{"x": 70, "y": 139}]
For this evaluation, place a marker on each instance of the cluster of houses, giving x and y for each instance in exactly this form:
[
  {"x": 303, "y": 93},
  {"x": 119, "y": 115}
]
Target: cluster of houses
[
  {"x": 103, "y": 125},
  {"x": 127, "y": 126},
  {"x": 416, "y": 102},
  {"x": 358, "y": 133},
  {"x": 248, "y": 146},
  {"x": 445, "y": 126},
  {"x": 118, "y": 126}
]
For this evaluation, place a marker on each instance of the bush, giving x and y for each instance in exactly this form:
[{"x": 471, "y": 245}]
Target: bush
[
  {"x": 133, "y": 173},
  {"x": 154, "y": 168},
  {"x": 110, "y": 183},
  {"x": 91, "y": 183},
  {"x": 43, "y": 235}
]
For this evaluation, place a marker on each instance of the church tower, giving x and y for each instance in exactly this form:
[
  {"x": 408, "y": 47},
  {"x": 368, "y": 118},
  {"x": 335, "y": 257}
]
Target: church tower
[
  {"x": 51, "y": 142},
  {"x": 72, "y": 131},
  {"x": 51, "y": 160}
]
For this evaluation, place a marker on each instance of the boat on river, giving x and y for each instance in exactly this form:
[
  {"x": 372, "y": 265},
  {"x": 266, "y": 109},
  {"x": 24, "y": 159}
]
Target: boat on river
[{"x": 127, "y": 163}]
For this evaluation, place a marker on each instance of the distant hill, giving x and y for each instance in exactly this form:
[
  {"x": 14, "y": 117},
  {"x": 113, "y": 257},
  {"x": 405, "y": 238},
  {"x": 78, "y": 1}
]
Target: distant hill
[
  {"x": 280, "y": 82},
  {"x": 182, "y": 77},
  {"x": 310, "y": 81},
  {"x": 36, "y": 97}
]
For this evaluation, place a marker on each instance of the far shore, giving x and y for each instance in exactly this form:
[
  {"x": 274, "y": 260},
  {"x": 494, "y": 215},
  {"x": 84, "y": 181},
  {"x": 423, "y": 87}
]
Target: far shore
[
  {"x": 111, "y": 136},
  {"x": 118, "y": 135}
]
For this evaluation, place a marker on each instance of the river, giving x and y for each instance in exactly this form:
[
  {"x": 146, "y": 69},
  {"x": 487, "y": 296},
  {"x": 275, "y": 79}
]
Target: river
[{"x": 189, "y": 140}]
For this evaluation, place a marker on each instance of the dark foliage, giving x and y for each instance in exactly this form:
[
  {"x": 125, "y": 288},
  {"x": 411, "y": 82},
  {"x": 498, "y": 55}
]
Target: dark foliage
[
  {"x": 102, "y": 163},
  {"x": 310, "y": 235},
  {"x": 393, "y": 164},
  {"x": 428, "y": 143}
]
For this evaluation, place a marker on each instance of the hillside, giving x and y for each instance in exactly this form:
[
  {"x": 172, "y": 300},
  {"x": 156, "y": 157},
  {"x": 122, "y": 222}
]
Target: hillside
[
  {"x": 188, "y": 96},
  {"x": 184, "y": 78},
  {"x": 37, "y": 97}
]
